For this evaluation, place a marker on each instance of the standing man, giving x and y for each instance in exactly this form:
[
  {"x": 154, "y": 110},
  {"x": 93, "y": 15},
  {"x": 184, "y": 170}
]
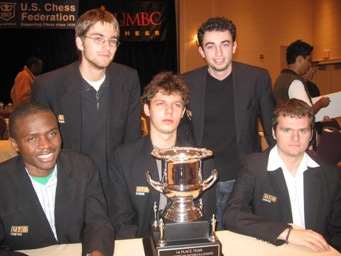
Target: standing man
[
  {"x": 285, "y": 186},
  {"x": 50, "y": 196},
  {"x": 290, "y": 84},
  {"x": 130, "y": 197},
  {"x": 313, "y": 89},
  {"x": 227, "y": 99},
  {"x": 97, "y": 102},
  {"x": 21, "y": 90}
]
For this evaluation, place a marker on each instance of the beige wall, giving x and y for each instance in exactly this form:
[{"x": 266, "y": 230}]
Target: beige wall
[
  {"x": 263, "y": 27},
  {"x": 326, "y": 28}
]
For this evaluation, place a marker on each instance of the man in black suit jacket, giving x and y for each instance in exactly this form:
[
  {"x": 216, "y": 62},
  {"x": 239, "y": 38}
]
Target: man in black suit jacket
[
  {"x": 47, "y": 195},
  {"x": 97, "y": 102},
  {"x": 130, "y": 197},
  {"x": 227, "y": 100},
  {"x": 285, "y": 194}
]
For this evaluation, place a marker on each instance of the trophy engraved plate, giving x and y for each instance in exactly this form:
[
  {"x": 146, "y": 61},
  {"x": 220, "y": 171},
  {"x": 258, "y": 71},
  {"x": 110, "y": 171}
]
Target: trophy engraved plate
[{"x": 181, "y": 228}]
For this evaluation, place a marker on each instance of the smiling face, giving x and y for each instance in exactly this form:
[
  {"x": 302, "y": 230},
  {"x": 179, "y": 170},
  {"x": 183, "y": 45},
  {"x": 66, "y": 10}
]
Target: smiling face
[
  {"x": 165, "y": 113},
  {"x": 293, "y": 135},
  {"x": 218, "y": 49},
  {"x": 94, "y": 55},
  {"x": 38, "y": 140}
]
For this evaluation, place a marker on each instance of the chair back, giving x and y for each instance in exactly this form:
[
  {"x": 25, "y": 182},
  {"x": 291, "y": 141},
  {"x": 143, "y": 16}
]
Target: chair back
[
  {"x": 3, "y": 127},
  {"x": 329, "y": 147}
]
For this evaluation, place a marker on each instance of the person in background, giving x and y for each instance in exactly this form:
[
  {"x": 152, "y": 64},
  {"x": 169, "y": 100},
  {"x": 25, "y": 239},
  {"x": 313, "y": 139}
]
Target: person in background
[
  {"x": 50, "y": 196},
  {"x": 21, "y": 90},
  {"x": 130, "y": 197},
  {"x": 286, "y": 195},
  {"x": 290, "y": 83},
  {"x": 313, "y": 89},
  {"x": 227, "y": 100},
  {"x": 96, "y": 101}
]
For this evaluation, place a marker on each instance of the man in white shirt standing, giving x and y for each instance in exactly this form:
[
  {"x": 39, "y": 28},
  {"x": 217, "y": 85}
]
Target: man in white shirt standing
[
  {"x": 285, "y": 195},
  {"x": 290, "y": 84}
]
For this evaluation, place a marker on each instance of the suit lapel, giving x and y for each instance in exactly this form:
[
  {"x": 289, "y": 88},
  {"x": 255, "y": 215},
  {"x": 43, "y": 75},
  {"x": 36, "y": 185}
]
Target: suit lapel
[
  {"x": 151, "y": 166},
  {"x": 197, "y": 104},
  {"x": 278, "y": 184},
  {"x": 312, "y": 195},
  {"x": 29, "y": 205},
  {"x": 114, "y": 100},
  {"x": 72, "y": 108},
  {"x": 240, "y": 90},
  {"x": 65, "y": 198}
]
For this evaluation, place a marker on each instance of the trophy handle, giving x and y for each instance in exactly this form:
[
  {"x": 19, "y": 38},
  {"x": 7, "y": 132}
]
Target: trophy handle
[
  {"x": 156, "y": 185},
  {"x": 210, "y": 180}
]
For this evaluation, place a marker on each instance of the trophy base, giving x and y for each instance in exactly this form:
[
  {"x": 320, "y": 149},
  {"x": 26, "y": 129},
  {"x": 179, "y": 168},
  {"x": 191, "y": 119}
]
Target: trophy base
[{"x": 183, "y": 239}]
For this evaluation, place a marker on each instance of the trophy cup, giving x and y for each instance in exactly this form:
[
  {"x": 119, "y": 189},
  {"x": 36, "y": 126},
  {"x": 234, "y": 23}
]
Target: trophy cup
[{"x": 181, "y": 229}]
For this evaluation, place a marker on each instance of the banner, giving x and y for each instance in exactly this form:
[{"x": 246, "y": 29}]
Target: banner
[
  {"x": 138, "y": 20},
  {"x": 141, "y": 20},
  {"x": 56, "y": 14}
]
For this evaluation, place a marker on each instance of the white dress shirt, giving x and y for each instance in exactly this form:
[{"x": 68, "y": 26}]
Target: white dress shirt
[
  {"x": 295, "y": 184},
  {"x": 47, "y": 196}
]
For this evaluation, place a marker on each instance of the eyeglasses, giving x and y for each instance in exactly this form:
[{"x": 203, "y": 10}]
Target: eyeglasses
[{"x": 101, "y": 41}]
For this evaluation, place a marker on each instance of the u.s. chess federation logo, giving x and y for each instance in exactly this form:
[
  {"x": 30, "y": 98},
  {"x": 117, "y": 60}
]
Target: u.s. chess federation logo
[{"x": 7, "y": 10}]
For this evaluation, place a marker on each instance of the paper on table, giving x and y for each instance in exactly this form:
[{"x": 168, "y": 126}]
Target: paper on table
[{"x": 334, "y": 108}]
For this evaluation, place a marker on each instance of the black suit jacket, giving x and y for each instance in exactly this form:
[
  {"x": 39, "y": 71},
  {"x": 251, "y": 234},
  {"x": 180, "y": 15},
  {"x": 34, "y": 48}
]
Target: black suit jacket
[
  {"x": 132, "y": 213},
  {"x": 80, "y": 207},
  {"x": 61, "y": 91},
  {"x": 249, "y": 212},
  {"x": 253, "y": 99}
]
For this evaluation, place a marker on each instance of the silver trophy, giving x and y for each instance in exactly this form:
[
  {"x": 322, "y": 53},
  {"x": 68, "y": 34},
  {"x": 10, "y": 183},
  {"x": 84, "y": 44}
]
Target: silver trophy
[{"x": 182, "y": 181}]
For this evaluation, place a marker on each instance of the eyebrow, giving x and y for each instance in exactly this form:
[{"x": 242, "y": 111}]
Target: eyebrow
[
  {"x": 225, "y": 41},
  {"x": 101, "y": 35}
]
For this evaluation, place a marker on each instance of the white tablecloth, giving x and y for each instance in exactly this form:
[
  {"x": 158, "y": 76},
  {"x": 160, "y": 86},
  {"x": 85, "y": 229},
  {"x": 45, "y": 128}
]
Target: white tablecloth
[{"x": 233, "y": 245}]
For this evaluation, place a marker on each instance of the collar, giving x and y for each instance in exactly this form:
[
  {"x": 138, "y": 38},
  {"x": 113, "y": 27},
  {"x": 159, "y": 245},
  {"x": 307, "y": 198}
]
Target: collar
[
  {"x": 29, "y": 72},
  {"x": 276, "y": 162}
]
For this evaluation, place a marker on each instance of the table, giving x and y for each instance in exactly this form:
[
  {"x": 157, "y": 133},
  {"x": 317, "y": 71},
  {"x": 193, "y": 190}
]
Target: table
[
  {"x": 6, "y": 151},
  {"x": 233, "y": 245}
]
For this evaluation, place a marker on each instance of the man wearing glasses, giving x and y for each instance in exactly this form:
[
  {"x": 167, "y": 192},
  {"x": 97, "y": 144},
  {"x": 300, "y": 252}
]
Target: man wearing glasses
[
  {"x": 289, "y": 84},
  {"x": 96, "y": 101}
]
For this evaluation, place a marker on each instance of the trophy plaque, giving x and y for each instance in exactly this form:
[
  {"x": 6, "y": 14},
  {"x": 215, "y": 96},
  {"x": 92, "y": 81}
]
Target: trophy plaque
[{"x": 181, "y": 228}]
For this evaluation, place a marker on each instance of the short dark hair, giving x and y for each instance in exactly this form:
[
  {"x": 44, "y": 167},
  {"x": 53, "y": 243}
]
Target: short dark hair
[
  {"x": 24, "y": 110},
  {"x": 293, "y": 108},
  {"x": 32, "y": 60},
  {"x": 167, "y": 83},
  {"x": 217, "y": 24},
  {"x": 298, "y": 48}
]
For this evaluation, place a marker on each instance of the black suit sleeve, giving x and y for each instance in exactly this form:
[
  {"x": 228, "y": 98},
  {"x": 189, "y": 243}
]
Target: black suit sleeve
[
  {"x": 238, "y": 216},
  {"x": 267, "y": 105},
  {"x": 98, "y": 233},
  {"x": 121, "y": 212}
]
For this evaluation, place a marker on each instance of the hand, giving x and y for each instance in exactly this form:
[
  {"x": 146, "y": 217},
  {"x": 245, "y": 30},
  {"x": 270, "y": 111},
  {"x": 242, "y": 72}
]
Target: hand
[
  {"x": 326, "y": 119},
  {"x": 324, "y": 102},
  {"x": 96, "y": 253},
  {"x": 309, "y": 239}
]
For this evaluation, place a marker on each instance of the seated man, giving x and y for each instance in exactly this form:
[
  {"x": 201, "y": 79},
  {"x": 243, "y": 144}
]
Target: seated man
[
  {"x": 130, "y": 197},
  {"x": 50, "y": 196},
  {"x": 285, "y": 194}
]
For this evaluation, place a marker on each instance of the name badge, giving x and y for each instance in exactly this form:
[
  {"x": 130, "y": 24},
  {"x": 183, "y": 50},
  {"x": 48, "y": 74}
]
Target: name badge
[
  {"x": 269, "y": 198},
  {"x": 141, "y": 190},
  {"x": 18, "y": 230},
  {"x": 61, "y": 119}
]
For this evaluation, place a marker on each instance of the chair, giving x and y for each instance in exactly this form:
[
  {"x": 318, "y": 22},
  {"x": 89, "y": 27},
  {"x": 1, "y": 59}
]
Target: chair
[
  {"x": 329, "y": 147},
  {"x": 3, "y": 128},
  {"x": 332, "y": 123}
]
